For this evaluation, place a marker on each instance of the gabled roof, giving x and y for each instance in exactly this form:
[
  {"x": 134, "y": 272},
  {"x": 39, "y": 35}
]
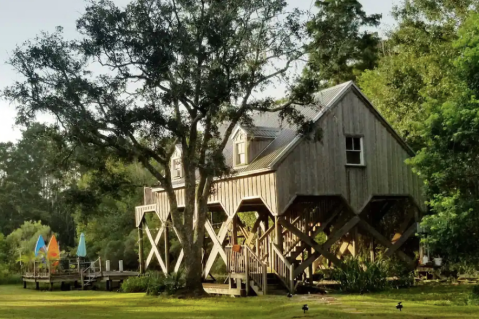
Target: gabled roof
[
  {"x": 257, "y": 131},
  {"x": 286, "y": 137},
  {"x": 287, "y": 134}
]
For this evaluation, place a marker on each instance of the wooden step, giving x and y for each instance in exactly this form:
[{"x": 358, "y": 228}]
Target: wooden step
[{"x": 255, "y": 288}]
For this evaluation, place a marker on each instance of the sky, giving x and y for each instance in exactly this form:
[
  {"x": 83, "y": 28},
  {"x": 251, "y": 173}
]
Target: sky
[{"x": 21, "y": 20}]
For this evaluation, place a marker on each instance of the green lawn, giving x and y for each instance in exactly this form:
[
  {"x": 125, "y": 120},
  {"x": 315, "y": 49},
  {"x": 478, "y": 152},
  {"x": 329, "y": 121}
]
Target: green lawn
[{"x": 420, "y": 302}]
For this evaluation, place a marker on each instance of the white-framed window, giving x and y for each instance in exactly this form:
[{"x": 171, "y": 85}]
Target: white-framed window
[
  {"x": 240, "y": 151},
  {"x": 177, "y": 168},
  {"x": 354, "y": 150}
]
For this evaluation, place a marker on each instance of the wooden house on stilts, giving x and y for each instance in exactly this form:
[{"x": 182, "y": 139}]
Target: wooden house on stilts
[{"x": 313, "y": 203}]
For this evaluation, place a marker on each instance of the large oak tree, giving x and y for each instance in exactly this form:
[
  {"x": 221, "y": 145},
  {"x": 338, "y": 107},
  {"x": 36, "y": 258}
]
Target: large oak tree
[{"x": 163, "y": 72}]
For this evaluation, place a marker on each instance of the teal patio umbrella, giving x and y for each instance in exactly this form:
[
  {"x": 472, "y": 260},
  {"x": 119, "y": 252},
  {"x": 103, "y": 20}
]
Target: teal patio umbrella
[{"x": 81, "y": 251}]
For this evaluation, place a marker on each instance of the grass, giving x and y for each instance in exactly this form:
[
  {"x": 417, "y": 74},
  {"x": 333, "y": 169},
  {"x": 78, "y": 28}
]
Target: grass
[{"x": 419, "y": 302}]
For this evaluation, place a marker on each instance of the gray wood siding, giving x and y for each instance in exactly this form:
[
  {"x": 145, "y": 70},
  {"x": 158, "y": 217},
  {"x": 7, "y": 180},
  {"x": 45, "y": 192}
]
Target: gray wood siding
[
  {"x": 230, "y": 193},
  {"x": 320, "y": 168}
]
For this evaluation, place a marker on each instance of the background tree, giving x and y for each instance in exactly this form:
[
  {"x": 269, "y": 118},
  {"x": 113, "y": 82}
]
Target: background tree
[
  {"x": 416, "y": 64},
  {"x": 168, "y": 72},
  {"x": 342, "y": 47},
  {"x": 448, "y": 162},
  {"x": 32, "y": 182}
]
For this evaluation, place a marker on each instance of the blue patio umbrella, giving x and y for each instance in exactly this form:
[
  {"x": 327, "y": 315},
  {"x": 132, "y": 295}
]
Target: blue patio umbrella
[
  {"x": 40, "y": 246},
  {"x": 81, "y": 251}
]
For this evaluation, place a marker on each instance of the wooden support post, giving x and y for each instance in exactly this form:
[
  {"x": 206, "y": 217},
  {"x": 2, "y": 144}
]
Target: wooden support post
[
  {"x": 355, "y": 244},
  {"x": 265, "y": 279},
  {"x": 310, "y": 267},
  {"x": 278, "y": 234},
  {"x": 107, "y": 283},
  {"x": 24, "y": 285},
  {"x": 51, "y": 286},
  {"x": 246, "y": 268},
  {"x": 372, "y": 250},
  {"x": 37, "y": 285},
  {"x": 140, "y": 249},
  {"x": 167, "y": 250},
  {"x": 234, "y": 230}
]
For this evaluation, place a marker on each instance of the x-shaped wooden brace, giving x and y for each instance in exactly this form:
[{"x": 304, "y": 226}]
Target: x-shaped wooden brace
[
  {"x": 390, "y": 247},
  {"x": 154, "y": 247},
  {"x": 319, "y": 249},
  {"x": 332, "y": 214},
  {"x": 217, "y": 243}
]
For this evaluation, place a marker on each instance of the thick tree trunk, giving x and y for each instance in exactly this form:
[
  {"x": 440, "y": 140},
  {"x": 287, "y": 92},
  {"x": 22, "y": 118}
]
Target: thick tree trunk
[{"x": 193, "y": 272}]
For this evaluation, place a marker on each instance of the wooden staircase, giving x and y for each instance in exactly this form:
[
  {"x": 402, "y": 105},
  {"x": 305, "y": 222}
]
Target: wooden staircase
[
  {"x": 91, "y": 274},
  {"x": 246, "y": 271}
]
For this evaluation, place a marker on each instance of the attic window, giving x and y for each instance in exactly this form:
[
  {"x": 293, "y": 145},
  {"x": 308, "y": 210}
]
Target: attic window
[
  {"x": 354, "y": 151},
  {"x": 240, "y": 150},
  {"x": 177, "y": 168}
]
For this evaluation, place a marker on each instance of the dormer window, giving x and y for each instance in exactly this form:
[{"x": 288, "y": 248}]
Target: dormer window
[
  {"x": 176, "y": 164},
  {"x": 177, "y": 168},
  {"x": 249, "y": 143},
  {"x": 240, "y": 148}
]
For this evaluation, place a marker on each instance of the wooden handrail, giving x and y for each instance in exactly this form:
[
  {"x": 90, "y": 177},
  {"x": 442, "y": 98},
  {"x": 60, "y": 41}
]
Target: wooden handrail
[
  {"x": 283, "y": 268},
  {"x": 257, "y": 270},
  {"x": 280, "y": 255}
]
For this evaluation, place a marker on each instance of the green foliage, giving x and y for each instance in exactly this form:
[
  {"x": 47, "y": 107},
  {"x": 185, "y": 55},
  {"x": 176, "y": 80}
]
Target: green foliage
[
  {"x": 21, "y": 242},
  {"x": 401, "y": 272},
  {"x": 135, "y": 284},
  {"x": 341, "y": 48},
  {"x": 32, "y": 180},
  {"x": 8, "y": 277},
  {"x": 448, "y": 162},
  {"x": 475, "y": 291},
  {"x": 358, "y": 276},
  {"x": 154, "y": 283},
  {"x": 415, "y": 66}
]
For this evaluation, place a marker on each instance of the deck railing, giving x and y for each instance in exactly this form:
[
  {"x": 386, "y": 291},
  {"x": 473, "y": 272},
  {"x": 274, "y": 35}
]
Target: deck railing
[
  {"x": 235, "y": 262},
  {"x": 282, "y": 267},
  {"x": 47, "y": 268}
]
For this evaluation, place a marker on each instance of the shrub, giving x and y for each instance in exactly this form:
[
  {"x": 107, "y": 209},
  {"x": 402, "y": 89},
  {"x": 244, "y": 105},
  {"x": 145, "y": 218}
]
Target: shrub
[
  {"x": 475, "y": 291},
  {"x": 358, "y": 277},
  {"x": 154, "y": 283},
  {"x": 403, "y": 274},
  {"x": 7, "y": 277},
  {"x": 135, "y": 284}
]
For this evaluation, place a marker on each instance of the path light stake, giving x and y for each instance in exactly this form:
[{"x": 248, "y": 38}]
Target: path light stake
[
  {"x": 305, "y": 308},
  {"x": 399, "y": 306}
]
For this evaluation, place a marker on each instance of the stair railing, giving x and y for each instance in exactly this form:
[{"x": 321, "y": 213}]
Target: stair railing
[
  {"x": 255, "y": 269},
  {"x": 89, "y": 274},
  {"x": 263, "y": 245},
  {"x": 282, "y": 267}
]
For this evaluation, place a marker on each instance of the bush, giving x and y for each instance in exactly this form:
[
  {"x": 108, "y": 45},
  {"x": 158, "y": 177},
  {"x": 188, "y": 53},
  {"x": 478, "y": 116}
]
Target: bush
[
  {"x": 135, "y": 284},
  {"x": 7, "y": 277},
  {"x": 358, "y": 277},
  {"x": 154, "y": 283},
  {"x": 403, "y": 274},
  {"x": 475, "y": 291}
]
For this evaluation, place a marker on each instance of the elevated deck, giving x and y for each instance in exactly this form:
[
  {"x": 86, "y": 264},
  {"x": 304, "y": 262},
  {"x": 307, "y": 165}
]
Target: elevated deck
[{"x": 73, "y": 271}]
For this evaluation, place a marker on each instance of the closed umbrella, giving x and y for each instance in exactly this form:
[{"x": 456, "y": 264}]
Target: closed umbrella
[
  {"x": 40, "y": 246},
  {"x": 81, "y": 251}
]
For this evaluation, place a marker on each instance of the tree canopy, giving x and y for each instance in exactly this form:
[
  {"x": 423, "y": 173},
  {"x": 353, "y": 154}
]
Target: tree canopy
[
  {"x": 159, "y": 73},
  {"x": 342, "y": 46}
]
